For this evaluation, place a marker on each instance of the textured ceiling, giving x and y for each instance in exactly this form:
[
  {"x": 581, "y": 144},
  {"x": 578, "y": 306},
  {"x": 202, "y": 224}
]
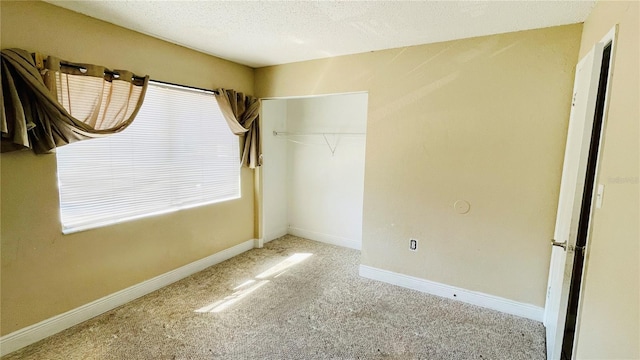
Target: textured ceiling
[{"x": 260, "y": 33}]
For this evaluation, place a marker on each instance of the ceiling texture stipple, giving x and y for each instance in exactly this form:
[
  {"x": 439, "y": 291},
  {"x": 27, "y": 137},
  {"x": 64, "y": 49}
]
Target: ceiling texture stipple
[{"x": 263, "y": 33}]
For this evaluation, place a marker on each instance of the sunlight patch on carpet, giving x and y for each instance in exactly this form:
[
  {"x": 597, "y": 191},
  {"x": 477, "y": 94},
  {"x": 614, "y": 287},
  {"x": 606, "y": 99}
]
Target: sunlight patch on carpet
[
  {"x": 243, "y": 290},
  {"x": 284, "y": 265}
]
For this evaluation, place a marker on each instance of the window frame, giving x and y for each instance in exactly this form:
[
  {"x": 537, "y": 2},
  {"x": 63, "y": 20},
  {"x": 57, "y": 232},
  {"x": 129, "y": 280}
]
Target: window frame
[{"x": 70, "y": 229}]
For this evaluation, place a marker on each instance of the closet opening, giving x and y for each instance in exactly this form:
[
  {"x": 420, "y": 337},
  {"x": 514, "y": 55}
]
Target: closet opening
[{"x": 312, "y": 179}]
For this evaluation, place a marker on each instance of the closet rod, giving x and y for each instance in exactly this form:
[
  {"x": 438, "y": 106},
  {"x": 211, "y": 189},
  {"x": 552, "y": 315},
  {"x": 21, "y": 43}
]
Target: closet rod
[{"x": 276, "y": 133}]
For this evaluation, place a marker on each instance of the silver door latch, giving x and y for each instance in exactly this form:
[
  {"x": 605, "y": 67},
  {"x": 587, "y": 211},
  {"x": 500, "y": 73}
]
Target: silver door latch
[
  {"x": 566, "y": 247},
  {"x": 559, "y": 244}
]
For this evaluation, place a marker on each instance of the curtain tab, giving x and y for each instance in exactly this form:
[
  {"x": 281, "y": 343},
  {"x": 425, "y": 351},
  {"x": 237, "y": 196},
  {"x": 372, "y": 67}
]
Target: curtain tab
[{"x": 39, "y": 60}]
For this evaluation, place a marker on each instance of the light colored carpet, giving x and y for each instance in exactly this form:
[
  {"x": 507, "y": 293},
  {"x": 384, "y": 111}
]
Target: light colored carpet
[{"x": 317, "y": 308}]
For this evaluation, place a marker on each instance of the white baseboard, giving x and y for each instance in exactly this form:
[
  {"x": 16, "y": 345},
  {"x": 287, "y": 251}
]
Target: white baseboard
[
  {"x": 325, "y": 238},
  {"x": 280, "y": 232},
  {"x": 30, "y": 334},
  {"x": 471, "y": 297}
]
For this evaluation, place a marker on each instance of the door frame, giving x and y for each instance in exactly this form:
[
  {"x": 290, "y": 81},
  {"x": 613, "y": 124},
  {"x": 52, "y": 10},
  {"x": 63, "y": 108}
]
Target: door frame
[
  {"x": 609, "y": 38},
  {"x": 571, "y": 197}
]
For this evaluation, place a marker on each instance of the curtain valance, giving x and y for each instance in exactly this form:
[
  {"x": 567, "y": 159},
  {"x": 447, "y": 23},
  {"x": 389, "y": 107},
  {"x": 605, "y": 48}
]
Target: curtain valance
[
  {"x": 242, "y": 114},
  {"x": 52, "y": 103}
]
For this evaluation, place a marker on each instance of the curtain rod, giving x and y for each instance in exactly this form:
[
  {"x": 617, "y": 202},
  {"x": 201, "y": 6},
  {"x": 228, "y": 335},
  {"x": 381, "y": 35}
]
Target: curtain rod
[
  {"x": 183, "y": 86},
  {"x": 81, "y": 68},
  {"x": 150, "y": 80}
]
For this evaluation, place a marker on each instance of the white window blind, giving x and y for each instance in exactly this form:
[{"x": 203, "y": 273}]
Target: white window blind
[{"x": 178, "y": 153}]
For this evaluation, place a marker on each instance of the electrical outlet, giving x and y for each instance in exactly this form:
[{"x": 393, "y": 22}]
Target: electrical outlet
[{"x": 413, "y": 244}]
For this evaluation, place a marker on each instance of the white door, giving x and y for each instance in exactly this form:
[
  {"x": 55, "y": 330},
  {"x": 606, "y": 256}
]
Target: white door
[{"x": 585, "y": 91}]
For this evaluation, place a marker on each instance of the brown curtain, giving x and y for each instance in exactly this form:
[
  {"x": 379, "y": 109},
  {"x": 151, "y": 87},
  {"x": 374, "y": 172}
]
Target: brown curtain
[
  {"x": 46, "y": 104},
  {"x": 242, "y": 114}
]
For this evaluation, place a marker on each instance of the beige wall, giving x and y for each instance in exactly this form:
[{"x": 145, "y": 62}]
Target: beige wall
[
  {"x": 45, "y": 273},
  {"x": 482, "y": 120},
  {"x": 609, "y": 325}
]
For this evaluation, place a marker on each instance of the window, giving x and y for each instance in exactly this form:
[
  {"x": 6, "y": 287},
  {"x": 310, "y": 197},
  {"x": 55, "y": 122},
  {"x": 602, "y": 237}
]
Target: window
[{"x": 178, "y": 153}]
